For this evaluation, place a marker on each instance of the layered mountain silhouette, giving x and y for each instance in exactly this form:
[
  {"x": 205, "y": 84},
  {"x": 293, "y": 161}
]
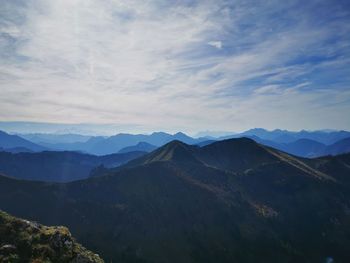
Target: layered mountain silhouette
[
  {"x": 58, "y": 166},
  {"x": 51, "y": 138},
  {"x": 141, "y": 146},
  {"x": 307, "y": 147},
  {"x": 230, "y": 201},
  {"x": 11, "y": 142},
  {"x": 16, "y": 150},
  {"x": 107, "y": 145},
  {"x": 303, "y": 143},
  {"x": 284, "y": 136},
  {"x": 342, "y": 146}
]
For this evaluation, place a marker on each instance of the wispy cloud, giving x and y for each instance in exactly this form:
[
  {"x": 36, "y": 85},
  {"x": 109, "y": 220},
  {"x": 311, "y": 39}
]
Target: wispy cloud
[
  {"x": 184, "y": 65},
  {"x": 217, "y": 44}
]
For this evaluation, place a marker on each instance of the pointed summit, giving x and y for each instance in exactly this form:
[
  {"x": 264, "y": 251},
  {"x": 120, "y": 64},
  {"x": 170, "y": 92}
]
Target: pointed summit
[{"x": 173, "y": 151}]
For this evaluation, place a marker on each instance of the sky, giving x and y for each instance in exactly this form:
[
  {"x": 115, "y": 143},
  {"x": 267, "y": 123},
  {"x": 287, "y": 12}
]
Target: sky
[{"x": 185, "y": 65}]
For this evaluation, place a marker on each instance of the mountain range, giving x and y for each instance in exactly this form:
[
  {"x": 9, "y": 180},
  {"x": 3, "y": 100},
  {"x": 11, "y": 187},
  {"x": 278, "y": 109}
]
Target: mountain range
[
  {"x": 230, "y": 201},
  {"x": 11, "y": 142},
  {"x": 51, "y": 138},
  {"x": 303, "y": 143},
  {"x": 100, "y": 145},
  {"x": 308, "y": 148},
  {"x": 284, "y": 136}
]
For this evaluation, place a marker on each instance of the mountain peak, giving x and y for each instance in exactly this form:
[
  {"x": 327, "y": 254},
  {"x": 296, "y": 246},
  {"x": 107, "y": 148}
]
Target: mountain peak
[
  {"x": 235, "y": 142},
  {"x": 143, "y": 144},
  {"x": 232, "y": 154},
  {"x": 180, "y": 134},
  {"x": 173, "y": 151},
  {"x": 176, "y": 151},
  {"x": 175, "y": 143},
  {"x": 256, "y": 130},
  {"x": 160, "y": 133}
]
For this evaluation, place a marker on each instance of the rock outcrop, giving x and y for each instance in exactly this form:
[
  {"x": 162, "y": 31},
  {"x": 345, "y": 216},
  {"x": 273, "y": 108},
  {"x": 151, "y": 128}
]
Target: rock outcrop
[{"x": 25, "y": 241}]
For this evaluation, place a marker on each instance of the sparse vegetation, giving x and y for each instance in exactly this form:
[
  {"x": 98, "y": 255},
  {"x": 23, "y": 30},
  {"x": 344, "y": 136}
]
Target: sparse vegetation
[{"x": 25, "y": 241}]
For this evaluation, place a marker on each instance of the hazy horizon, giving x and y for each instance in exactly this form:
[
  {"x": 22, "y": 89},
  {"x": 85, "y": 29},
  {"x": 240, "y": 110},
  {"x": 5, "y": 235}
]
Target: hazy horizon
[{"x": 112, "y": 129}]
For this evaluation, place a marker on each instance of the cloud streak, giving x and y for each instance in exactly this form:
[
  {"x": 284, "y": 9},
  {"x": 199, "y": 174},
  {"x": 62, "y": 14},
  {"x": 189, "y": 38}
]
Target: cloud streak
[{"x": 189, "y": 65}]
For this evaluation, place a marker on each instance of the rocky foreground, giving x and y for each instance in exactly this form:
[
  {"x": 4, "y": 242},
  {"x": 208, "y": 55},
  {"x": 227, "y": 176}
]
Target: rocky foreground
[{"x": 26, "y": 241}]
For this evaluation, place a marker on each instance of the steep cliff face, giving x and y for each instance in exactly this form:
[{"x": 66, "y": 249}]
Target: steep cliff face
[{"x": 25, "y": 241}]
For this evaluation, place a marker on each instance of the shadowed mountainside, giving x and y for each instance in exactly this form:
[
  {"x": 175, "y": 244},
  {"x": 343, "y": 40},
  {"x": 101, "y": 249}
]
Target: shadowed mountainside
[{"x": 58, "y": 166}]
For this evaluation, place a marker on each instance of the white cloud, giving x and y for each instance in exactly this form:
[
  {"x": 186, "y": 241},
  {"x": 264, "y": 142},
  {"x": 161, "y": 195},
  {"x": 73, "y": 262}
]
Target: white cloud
[
  {"x": 217, "y": 44},
  {"x": 148, "y": 63},
  {"x": 269, "y": 89}
]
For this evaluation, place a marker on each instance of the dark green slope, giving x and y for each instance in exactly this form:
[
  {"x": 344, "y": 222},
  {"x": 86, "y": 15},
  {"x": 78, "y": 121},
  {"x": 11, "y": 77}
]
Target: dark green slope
[
  {"x": 232, "y": 201},
  {"x": 235, "y": 154},
  {"x": 153, "y": 213},
  {"x": 336, "y": 166},
  {"x": 58, "y": 166}
]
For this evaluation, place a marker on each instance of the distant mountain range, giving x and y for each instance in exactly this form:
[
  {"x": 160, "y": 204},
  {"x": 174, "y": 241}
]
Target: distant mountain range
[
  {"x": 307, "y": 147},
  {"x": 230, "y": 201},
  {"x": 303, "y": 143},
  {"x": 47, "y": 138},
  {"x": 113, "y": 144},
  {"x": 16, "y": 150},
  {"x": 284, "y": 136},
  {"x": 141, "y": 146},
  {"x": 11, "y": 142}
]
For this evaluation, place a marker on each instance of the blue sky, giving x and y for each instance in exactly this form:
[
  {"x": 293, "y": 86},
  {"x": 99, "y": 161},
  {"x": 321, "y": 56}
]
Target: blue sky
[{"x": 176, "y": 65}]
